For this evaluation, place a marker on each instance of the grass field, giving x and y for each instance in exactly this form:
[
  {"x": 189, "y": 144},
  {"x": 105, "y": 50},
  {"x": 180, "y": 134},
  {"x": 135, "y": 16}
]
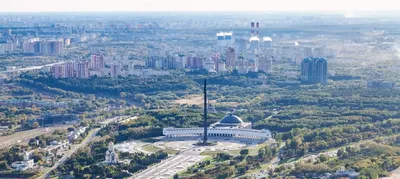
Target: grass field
[{"x": 150, "y": 148}]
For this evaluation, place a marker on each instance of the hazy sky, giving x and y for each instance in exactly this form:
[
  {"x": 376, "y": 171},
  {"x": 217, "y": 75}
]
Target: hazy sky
[{"x": 196, "y": 5}]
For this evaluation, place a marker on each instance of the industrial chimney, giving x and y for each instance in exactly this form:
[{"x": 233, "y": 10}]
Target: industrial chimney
[
  {"x": 252, "y": 29},
  {"x": 258, "y": 28}
]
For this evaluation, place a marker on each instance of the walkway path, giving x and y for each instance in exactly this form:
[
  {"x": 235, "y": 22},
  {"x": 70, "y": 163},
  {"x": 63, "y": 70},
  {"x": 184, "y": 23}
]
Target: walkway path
[
  {"x": 395, "y": 174},
  {"x": 167, "y": 168}
]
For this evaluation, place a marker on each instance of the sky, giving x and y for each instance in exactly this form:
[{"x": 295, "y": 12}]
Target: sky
[{"x": 196, "y": 5}]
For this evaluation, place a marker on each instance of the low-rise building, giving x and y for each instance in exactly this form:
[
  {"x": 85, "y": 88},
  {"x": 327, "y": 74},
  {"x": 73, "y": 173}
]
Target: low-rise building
[
  {"x": 73, "y": 135},
  {"x": 229, "y": 126},
  {"x": 343, "y": 173},
  {"x": 381, "y": 84},
  {"x": 23, "y": 165}
]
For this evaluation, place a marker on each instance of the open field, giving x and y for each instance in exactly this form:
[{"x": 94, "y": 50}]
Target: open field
[
  {"x": 150, "y": 148},
  {"x": 192, "y": 100},
  {"x": 198, "y": 100}
]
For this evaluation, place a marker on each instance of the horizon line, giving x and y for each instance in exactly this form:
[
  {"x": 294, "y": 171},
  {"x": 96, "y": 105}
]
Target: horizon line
[{"x": 207, "y": 11}]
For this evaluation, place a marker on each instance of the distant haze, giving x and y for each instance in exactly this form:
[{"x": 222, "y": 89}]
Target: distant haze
[{"x": 197, "y": 5}]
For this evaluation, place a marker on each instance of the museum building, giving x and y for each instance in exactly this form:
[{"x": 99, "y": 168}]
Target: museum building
[{"x": 229, "y": 126}]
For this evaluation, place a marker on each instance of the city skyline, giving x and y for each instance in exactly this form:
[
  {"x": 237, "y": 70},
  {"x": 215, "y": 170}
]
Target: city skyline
[
  {"x": 292, "y": 89},
  {"x": 191, "y": 5}
]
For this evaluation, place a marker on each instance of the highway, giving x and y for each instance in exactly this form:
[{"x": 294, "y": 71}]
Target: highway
[
  {"x": 23, "y": 136},
  {"x": 29, "y": 68}
]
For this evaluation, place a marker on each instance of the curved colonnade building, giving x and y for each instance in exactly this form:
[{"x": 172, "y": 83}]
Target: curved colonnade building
[{"x": 229, "y": 126}]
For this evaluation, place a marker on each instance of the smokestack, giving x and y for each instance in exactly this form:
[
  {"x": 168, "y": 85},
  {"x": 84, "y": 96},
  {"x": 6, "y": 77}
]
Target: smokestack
[
  {"x": 258, "y": 28},
  {"x": 252, "y": 28},
  {"x": 205, "y": 112}
]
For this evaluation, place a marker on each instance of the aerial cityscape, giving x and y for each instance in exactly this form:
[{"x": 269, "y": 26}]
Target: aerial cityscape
[{"x": 198, "y": 92}]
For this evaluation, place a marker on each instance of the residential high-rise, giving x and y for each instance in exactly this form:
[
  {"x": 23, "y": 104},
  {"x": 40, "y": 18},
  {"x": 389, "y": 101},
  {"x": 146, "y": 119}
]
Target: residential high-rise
[
  {"x": 314, "y": 70},
  {"x": 180, "y": 62},
  {"x": 10, "y": 46},
  {"x": 308, "y": 52},
  {"x": 37, "y": 47},
  {"x": 242, "y": 46},
  {"x": 195, "y": 62},
  {"x": 2, "y": 48},
  {"x": 9, "y": 32},
  {"x": 70, "y": 70},
  {"x": 318, "y": 51},
  {"x": 67, "y": 42},
  {"x": 189, "y": 61},
  {"x": 230, "y": 57},
  {"x": 28, "y": 46},
  {"x": 58, "y": 71},
  {"x": 55, "y": 47},
  {"x": 37, "y": 32},
  {"x": 96, "y": 62},
  {"x": 220, "y": 66},
  {"x": 52, "y": 47},
  {"x": 209, "y": 65},
  {"x": 198, "y": 62},
  {"x": 243, "y": 65},
  {"x": 168, "y": 62},
  {"x": 153, "y": 62},
  {"x": 59, "y": 46},
  {"x": 82, "y": 70},
  {"x": 114, "y": 71},
  {"x": 93, "y": 60},
  {"x": 44, "y": 47},
  {"x": 265, "y": 64}
]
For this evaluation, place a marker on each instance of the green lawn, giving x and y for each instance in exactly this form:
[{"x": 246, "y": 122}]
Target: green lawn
[{"x": 150, "y": 148}]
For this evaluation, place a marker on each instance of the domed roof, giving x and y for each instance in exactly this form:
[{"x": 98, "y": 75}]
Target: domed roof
[{"x": 231, "y": 119}]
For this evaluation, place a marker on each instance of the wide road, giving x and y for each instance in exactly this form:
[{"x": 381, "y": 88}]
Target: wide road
[
  {"x": 30, "y": 68},
  {"x": 23, "y": 136}
]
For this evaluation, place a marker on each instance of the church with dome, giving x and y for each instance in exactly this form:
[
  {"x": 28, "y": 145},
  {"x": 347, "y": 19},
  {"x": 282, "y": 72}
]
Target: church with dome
[
  {"x": 229, "y": 126},
  {"x": 111, "y": 155}
]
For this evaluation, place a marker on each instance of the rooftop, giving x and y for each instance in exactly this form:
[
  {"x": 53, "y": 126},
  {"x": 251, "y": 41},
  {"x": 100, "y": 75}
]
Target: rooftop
[
  {"x": 255, "y": 38},
  {"x": 231, "y": 119}
]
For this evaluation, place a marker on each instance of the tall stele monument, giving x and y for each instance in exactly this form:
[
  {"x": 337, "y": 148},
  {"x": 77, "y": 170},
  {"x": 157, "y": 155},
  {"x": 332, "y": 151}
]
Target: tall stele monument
[
  {"x": 205, "y": 112},
  {"x": 229, "y": 126}
]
